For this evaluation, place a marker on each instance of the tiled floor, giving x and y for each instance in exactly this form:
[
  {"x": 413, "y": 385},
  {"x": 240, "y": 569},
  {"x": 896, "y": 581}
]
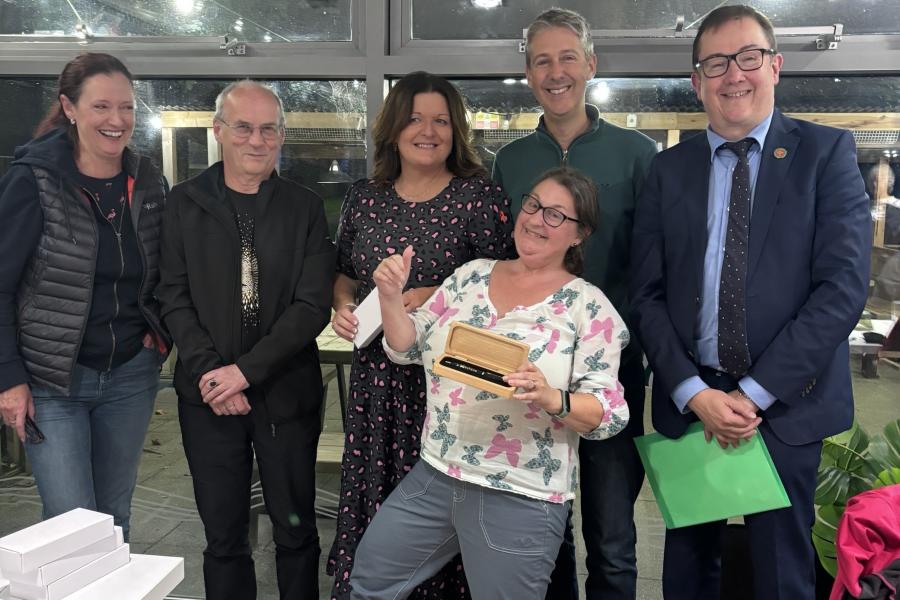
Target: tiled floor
[{"x": 165, "y": 521}]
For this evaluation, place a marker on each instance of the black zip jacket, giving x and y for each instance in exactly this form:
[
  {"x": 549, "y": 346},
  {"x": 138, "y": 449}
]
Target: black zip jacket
[
  {"x": 200, "y": 290},
  {"x": 51, "y": 300}
]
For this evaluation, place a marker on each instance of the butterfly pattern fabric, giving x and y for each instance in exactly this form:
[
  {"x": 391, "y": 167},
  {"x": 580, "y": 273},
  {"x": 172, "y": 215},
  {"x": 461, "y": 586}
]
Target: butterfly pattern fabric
[{"x": 576, "y": 339}]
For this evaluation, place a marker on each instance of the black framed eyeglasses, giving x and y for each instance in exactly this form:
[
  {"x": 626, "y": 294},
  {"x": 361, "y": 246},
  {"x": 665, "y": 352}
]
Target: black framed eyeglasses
[
  {"x": 245, "y": 130},
  {"x": 746, "y": 60},
  {"x": 551, "y": 216}
]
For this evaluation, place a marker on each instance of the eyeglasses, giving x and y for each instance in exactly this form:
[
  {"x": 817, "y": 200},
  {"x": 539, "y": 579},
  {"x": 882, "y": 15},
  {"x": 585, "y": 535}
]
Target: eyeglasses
[
  {"x": 552, "y": 217},
  {"x": 244, "y": 130},
  {"x": 746, "y": 60}
]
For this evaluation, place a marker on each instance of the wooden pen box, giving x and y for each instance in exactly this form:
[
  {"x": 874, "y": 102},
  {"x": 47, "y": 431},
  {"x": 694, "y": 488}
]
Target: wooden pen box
[{"x": 478, "y": 357}]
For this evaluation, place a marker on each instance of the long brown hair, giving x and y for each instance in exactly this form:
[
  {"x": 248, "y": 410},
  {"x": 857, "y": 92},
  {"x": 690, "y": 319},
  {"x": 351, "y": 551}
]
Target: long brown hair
[
  {"x": 394, "y": 117},
  {"x": 71, "y": 81}
]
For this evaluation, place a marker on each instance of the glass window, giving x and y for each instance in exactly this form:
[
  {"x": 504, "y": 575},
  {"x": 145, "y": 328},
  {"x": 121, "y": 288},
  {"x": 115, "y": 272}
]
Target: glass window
[
  {"x": 498, "y": 19},
  {"x": 506, "y": 110},
  {"x": 668, "y": 111},
  {"x": 324, "y": 139},
  {"x": 270, "y": 21}
]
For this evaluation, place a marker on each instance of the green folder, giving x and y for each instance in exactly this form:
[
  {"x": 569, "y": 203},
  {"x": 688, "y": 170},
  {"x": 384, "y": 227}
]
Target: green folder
[{"x": 698, "y": 482}]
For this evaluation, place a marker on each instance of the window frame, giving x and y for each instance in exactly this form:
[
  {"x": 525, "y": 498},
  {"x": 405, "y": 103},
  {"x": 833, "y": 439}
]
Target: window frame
[{"x": 381, "y": 49}]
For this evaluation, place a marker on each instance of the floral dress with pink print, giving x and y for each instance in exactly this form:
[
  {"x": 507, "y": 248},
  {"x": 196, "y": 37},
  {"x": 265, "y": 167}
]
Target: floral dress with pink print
[{"x": 576, "y": 339}]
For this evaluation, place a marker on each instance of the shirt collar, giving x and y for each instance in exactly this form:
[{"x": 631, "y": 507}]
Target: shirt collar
[{"x": 758, "y": 133}]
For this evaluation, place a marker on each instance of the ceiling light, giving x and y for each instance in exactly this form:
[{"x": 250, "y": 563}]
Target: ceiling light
[
  {"x": 600, "y": 92},
  {"x": 184, "y": 7},
  {"x": 334, "y": 175},
  {"x": 487, "y": 3}
]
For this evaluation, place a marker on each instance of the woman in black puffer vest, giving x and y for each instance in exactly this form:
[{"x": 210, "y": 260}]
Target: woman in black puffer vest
[{"x": 81, "y": 341}]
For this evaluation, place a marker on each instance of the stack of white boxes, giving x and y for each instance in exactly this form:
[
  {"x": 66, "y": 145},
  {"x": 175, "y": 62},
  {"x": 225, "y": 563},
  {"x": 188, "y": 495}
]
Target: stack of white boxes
[{"x": 81, "y": 555}]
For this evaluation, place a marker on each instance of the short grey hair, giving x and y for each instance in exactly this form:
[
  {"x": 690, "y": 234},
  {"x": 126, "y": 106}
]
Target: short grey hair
[
  {"x": 560, "y": 17},
  {"x": 244, "y": 84}
]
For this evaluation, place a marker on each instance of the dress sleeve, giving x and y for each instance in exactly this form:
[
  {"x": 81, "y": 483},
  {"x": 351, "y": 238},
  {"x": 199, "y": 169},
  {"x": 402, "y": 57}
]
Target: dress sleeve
[
  {"x": 490, "y": 224},
  {"x": 346, "y": 233},
  {"x": 600, "y": 338}
]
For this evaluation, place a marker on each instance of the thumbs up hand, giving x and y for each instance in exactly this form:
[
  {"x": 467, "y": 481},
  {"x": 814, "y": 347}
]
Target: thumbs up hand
[{"x": 390, "y": 276}]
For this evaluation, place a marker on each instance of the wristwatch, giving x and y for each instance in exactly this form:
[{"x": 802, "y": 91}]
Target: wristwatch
[{"x": 566, "y": 406}]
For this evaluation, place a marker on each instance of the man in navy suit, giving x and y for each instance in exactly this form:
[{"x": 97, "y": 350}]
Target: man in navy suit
[{"x": 749, "y": 270}]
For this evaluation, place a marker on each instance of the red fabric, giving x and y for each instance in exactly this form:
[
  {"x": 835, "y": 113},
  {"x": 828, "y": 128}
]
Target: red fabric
[{"x": 868, "y": 538}]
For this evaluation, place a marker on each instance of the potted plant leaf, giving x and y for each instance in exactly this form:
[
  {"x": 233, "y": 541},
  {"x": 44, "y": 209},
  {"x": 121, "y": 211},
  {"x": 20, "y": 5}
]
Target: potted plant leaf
[{"x": 852, "y": 463}]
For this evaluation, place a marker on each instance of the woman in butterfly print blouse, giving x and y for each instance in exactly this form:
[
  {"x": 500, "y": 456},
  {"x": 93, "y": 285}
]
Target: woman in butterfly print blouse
[
  {"x": 428, "y": 189},
  {"x": 496, "y": 474}
]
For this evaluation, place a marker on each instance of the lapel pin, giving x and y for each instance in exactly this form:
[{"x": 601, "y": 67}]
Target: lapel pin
[{"x": 780, "y": 152}]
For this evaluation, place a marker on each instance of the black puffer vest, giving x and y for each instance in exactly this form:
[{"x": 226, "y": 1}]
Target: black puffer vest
[{"x": 55, "y": 293}]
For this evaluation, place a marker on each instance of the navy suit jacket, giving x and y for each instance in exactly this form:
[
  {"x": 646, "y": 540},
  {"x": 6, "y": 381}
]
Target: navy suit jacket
[{"x": 807, "y": 279}]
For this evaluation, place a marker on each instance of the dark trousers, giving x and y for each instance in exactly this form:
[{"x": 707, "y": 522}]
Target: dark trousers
[
  {"x": 220, "y": 454},
  {"x": 610, "y": 480},
  {"x": 780, "y": 545}
]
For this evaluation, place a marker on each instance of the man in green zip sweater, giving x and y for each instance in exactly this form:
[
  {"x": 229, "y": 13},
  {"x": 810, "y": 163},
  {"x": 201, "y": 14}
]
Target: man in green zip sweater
[{"x": 559, "y": 62}]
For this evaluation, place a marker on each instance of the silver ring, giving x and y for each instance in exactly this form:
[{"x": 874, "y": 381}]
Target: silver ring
[
  {"x": 212, "y": 383},
  {"x": 533, "y": 384}
]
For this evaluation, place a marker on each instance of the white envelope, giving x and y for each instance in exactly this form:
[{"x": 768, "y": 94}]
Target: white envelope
[{"x": 369, "y": 314}]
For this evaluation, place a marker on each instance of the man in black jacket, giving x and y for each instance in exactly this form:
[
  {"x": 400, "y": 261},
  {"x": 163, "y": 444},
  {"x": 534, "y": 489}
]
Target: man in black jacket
[{"x": 245, "y": 289}]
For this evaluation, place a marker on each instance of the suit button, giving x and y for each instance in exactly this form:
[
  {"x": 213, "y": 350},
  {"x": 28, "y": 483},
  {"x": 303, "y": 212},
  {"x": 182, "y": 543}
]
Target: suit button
[{"x": 697, "y": 300}]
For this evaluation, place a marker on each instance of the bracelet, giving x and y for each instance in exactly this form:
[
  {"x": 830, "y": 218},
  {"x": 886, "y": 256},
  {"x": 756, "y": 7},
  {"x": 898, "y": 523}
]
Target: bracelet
[
  {"x": 566, "y": 405},
  {"x": 741, "y": 391},
  {"x": 351, "y": 306}
]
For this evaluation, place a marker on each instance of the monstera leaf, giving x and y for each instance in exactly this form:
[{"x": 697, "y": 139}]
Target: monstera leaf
[
  {"x": 851, "y": 463},
  {"x": 845, "y": 468},
  {"x": 844, "y": 450},
  {"x": 823, "y": 532},
  {"x": 887, "y": 477}
]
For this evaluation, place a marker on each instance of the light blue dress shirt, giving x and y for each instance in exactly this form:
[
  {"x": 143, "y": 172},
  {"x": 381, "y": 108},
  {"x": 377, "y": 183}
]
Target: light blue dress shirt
[{"x": 707, "y": 332}]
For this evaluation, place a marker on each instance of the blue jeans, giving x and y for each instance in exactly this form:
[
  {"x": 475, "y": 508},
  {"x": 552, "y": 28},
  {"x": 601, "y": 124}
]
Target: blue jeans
[
  {"x": 94, "y": 437},
  {"x": 508, "y": 542}
]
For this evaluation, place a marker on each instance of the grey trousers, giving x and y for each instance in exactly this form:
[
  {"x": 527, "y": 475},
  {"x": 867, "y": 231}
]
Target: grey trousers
[{"x": 508, "y": 542}]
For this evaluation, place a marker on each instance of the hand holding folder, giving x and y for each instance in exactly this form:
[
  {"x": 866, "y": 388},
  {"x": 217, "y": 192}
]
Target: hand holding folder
[{"x": 695, "y": 481}]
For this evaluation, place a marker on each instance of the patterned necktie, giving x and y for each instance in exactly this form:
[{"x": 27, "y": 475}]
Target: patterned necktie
[{"x": 733, "y": 353}]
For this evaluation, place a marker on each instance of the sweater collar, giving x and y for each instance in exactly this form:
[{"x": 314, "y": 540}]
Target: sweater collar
[{"x": 594, "y": 122}]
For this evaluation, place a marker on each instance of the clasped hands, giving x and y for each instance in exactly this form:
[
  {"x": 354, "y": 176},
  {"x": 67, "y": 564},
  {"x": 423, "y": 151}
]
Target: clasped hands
[
  {"x": 223, "y": 390},
  {"x": 729, "y": 417}
]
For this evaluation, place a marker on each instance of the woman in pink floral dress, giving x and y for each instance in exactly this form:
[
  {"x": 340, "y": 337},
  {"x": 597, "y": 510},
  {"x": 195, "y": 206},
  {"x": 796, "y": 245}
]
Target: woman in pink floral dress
[{"x": 428, "y": 189}]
